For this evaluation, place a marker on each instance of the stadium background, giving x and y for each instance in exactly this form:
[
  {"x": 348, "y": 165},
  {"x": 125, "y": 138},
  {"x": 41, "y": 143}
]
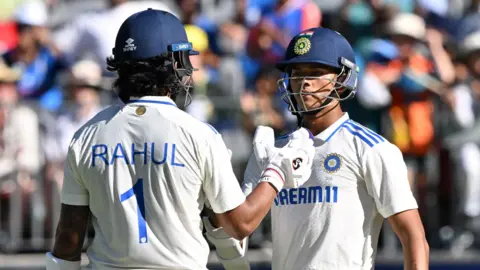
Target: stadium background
[{"x": 419, "y": 87}]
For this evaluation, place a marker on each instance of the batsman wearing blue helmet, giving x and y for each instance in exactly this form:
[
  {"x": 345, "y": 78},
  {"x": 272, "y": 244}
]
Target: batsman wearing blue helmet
[
  {"x": 142, "y": 171},
  {"x": 358, "y": 179}
]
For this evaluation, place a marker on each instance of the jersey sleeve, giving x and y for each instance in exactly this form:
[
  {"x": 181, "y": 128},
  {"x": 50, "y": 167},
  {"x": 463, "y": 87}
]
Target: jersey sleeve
[
  {"x": 251, "y": 176},
  {"x": 73, "y": 190},
  {"x": 386, "y": 178},
  {"x": 221, "y": 187}
]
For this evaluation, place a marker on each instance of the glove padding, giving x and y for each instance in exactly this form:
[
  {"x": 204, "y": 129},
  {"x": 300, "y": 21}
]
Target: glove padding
[
  {"x": 289, "y": 166},
  {"x": 230, "y": 252},
  {"x": 264, "y": 145}
]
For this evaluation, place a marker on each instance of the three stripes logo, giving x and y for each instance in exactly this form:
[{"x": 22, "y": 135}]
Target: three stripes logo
[{"x": 366, "y": 135}]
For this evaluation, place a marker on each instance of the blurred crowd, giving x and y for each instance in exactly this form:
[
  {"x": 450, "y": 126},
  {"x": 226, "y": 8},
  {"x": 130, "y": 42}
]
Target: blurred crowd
[{"x": 419, "y": 87}]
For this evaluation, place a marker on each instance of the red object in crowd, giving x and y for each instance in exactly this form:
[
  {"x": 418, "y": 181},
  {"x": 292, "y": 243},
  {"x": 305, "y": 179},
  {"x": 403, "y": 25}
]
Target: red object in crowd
[{"x": 8, "y": 36}]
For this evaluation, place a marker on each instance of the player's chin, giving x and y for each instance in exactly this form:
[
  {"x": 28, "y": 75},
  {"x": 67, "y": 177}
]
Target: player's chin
[{"x": 312, "y": 105}]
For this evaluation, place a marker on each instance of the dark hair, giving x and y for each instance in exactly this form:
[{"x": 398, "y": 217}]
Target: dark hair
[{"x": 153, "y": 76}]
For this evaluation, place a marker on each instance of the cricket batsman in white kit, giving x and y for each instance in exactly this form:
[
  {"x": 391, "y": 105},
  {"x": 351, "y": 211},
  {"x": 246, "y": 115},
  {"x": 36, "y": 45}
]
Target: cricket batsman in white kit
[
  {"x": 358, "y": 178},
  {"x": 143, "y": 171}
]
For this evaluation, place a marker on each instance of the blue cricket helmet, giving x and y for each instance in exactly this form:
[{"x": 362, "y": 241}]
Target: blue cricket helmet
[
  {"x": 150, "y": 33},
  {"x": 318, "y": 46},
  {"x": 324, "y": 47}
]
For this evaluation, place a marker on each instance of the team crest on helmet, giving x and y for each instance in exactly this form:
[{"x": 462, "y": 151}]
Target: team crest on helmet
[
  {"x": 332, "y": 163},
  {"x": 302, "y": 46}
]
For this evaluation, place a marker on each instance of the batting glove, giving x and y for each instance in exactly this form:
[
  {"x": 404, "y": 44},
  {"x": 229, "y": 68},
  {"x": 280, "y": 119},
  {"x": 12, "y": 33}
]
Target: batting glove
[
  {"x": 291, "y": 165},
  {"x": 264, "y": 145}
]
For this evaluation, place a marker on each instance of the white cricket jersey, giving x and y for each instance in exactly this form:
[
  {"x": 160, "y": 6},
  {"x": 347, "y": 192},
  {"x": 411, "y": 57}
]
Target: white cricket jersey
[
  {"x": 334, "y": 219},
  {"x": 145, "y": 170}
]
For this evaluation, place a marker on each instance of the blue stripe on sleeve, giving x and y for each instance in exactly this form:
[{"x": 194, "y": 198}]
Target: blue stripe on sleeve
[{"x": 355, "y": 133}]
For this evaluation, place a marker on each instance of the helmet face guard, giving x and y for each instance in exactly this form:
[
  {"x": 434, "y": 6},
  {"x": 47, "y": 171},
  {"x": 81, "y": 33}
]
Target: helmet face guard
[
  {"x": 178, "y": 61},
  {"x": 342, "y": 90},
  {"x": 183, "y": 69}
]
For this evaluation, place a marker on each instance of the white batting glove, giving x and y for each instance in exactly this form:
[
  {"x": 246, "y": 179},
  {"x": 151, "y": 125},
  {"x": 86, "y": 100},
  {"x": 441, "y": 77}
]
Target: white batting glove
[
  {"x": 291, "y": 165},
  {"x": 230, "y": 251},
  {"x": 264, "y": 145}
]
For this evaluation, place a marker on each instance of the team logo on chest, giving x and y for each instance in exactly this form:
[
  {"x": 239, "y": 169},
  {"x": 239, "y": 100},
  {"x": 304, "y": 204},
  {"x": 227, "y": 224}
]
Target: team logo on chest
[{"x": 332, "y": 163}]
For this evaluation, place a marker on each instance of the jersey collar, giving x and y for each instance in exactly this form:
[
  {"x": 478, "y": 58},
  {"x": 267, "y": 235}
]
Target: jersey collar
[
  {"x": 328, "y": 133},
  {"x": 152, "y": 99}
]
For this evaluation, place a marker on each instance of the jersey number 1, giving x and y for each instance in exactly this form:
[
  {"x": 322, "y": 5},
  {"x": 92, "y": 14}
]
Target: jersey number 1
[{"x": 137, "y": 191}]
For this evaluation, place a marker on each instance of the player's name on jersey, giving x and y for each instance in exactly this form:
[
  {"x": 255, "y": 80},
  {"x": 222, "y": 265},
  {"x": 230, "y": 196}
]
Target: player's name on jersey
[
  {"x": 158, "y": 154},
  {"x": 307, "y": 195}
]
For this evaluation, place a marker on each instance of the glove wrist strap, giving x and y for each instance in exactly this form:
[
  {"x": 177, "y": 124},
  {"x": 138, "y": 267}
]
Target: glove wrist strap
[{"x": 273, "y": 176}]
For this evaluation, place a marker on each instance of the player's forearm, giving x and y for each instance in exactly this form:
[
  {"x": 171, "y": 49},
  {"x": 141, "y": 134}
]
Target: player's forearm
[
  {"x": 409, "y": 229},
  {"x": 71, "y": 232},
  {"x": 243, "y": 220},
  {"x": 67, "y": 246},
  {"x": 259, "y": 203},
  {"x": 416, "y": 253}
]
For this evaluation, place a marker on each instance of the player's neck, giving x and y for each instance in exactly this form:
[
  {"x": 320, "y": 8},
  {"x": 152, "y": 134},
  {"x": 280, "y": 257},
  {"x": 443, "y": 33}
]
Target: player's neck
[{"x": 323, "y": 119}]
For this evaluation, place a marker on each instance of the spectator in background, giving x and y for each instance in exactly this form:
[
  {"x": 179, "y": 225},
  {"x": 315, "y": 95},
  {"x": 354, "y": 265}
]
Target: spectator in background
[
  {"x": 469, "y": 55},
  {"x": 92, "y": 35},
  {"x": 207, "y": 14},
  {"x": 82, "y": 100},
  {"x": 201, "y": 106},
  {"x": 20, "y": 159},
  {"x": 411, "y": 126},
  {"x": 464, "y": 144},
  {"x": 82, "y": 103},
  {"x": 269, "y": 34},
  {"x": 356, "y": 19},
  {"x": 219, "y": 78},
  {"x": 269, "y": 39},
  {"x": 458, "y": 8},
  {"x": 8, "y": 36},
  {"x": 260, "y": 107},
  {"x": 374, "y": 87},
  {"x": 231, "y": 37},
  {"x": 189, "y": 10},
  {"x": 218, "y": 12},
  {"x": 470, "y": 20},
  {"x": 36, "y": 56},
  {"x": 225, "y": 40},
  {"x": 82, "y": 89}
]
